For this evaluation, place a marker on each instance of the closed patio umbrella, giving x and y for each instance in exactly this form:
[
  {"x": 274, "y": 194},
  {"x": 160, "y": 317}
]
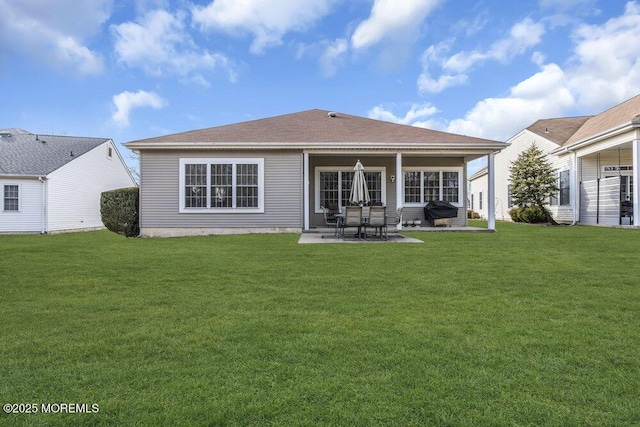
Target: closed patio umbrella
[{"x": 359, "y": 191}]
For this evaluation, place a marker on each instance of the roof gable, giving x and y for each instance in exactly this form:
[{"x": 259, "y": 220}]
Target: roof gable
[
  {"x": 312, "y": 126},
  {"x": 619, "y": 115},
  {"x": 558, "y": 130},
  {"x": 23, "y": 153}
]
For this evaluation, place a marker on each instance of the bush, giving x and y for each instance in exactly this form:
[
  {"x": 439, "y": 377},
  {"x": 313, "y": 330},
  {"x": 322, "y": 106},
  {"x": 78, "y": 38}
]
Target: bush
[
  {"x": 119, "y": 211},
  {"x": 471, "y": 214},
  {"x": 514, "y": 213},
  {"x": 533, "y": 215}
]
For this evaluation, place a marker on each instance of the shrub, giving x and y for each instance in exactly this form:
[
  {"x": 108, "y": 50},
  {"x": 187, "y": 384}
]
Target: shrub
[
  {"x": 514, "y": 213},
  {"x": 471, "y": 214},
  {"x": 119, "y": 211},
  {"x": 533, "y": 215}
]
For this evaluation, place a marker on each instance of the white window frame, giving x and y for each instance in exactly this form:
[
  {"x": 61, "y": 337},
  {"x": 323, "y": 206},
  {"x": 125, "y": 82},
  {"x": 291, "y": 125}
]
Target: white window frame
[
  {"x": 422, "y": 202},
  {"x": 234, "y": 161},
  {"x": 10, "y": 184},
  {"x": 339, "y": 170}
]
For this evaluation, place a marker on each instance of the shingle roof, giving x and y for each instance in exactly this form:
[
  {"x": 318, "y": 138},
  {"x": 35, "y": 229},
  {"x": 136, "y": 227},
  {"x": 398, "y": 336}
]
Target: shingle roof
[
  {"x": 24, "y": 153},
  {"x": 621, "y": 114},
  {"x": 558, "y": 130},
  {"x": 312, "y": 126}
]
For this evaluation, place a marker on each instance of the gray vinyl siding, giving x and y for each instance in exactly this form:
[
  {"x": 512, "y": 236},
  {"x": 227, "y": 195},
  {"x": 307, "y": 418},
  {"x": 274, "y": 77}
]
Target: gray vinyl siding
[{"x": 159, "y": 196}]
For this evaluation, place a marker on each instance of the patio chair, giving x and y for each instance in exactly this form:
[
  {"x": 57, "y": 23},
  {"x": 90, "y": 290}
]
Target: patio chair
[
  {"x": 378, "y": 220},
  {"x": 330, "y": 219},
  {"x": 352, "y": 218}
]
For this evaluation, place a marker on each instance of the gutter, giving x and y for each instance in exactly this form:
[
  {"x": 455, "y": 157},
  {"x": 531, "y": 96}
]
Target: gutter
[
  {"x": 598, "y": 137},
  {"x": 334, "y": 146}
]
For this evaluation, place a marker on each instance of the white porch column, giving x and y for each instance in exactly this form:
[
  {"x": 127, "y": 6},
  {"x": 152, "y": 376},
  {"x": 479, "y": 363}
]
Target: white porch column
[
  {"x": 491, "y": 192},
  {"x": 305, "y": 191},
  {"x": 399, "y": 187},
  {"x": 575, "y": 187},
  {"x": 636, "y": 180}
]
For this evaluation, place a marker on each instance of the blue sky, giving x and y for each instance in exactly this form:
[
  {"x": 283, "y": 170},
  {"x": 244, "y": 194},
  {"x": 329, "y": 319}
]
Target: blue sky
[{"x": 134, "y": 69}]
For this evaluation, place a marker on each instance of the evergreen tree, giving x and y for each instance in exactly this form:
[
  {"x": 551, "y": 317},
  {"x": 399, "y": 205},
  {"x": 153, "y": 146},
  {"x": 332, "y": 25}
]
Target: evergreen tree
[{"x": 533, "y": 181}]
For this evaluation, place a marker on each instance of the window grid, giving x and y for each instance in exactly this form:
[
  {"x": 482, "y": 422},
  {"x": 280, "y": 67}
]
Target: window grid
[
  {"x": 374, "y": 184},
  {"x": 328, "y": 188},
  {"x": 195, "y": 186},
  {"x": 431, "y": 186},
  {"x": 450, "y": 190},
  {"x": 412, "y": 187},
  {"x": 247, "y": 185},
  {"x": 423, "y": 186},
  {"x": 11, "y": 200},
  {"x": 346, "y": 178},
  {"x": 221, "y": 185}
]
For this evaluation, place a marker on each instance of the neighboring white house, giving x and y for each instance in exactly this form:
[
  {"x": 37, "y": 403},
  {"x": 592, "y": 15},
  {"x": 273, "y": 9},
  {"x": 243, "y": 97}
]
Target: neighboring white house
[
  {"x": 478, "y": 192},
  {"x": 548, "y": 135},
  {"x": 52, "y": 183},
  {"x": 596, "y": 159}
]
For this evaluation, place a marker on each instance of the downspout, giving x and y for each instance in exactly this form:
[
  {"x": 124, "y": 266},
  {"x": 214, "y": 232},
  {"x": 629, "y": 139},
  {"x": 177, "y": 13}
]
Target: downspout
[{"x": 44, "y": 225}]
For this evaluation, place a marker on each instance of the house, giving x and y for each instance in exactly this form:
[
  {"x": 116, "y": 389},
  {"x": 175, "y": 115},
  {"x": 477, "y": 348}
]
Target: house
[
  {"x": 597, "y": 160},
  {"x": 478, "y": 190},
  {"x": 274, "y": 174},
  {"x": 52, "y": 183},
  {"x": 548, "y": 135}
]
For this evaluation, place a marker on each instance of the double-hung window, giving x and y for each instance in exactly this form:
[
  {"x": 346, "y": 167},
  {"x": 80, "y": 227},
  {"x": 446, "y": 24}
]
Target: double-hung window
[
  {"x": 563, "y": 196},
  {"x": 333, "y": 186},
  {"x": 222, "y": 185},
  {"x": 422, "y": 185},
  {"x": 11, "y": 198}
]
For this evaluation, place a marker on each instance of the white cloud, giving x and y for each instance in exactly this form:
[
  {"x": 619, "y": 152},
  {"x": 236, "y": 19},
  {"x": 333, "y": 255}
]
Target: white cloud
[
  {"x": 267, "y": 20},
  {"x": 332, "y": 56},
  {"x": 126, "y": 101},
  {"x": 159, "y": 44},
  {"x": 522, "y": 36},
  {"x": 392, "y": 19},
  {"x": 606, "y": 65},
  {"x": 542, "y": 95},
  {"x": 417, "y": 114},
  {"x": 55, "y": 32}
]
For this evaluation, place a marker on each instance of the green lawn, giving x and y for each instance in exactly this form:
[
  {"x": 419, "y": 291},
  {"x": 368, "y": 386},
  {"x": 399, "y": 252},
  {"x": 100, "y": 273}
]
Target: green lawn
[{"x": 531, "y": 325}]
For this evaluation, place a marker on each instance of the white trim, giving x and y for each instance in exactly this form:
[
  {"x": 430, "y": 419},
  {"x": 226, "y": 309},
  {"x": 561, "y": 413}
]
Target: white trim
[
  {"x": 422, "y": 169},
  {"x": 339, "y": 169},
  {"x": 220, "y": 160}
]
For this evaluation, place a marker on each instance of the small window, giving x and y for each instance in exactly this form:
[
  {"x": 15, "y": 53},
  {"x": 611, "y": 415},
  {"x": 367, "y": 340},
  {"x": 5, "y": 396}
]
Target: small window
[
  {"x": 109, "y": 152},
  {"x": 480, "y": 201},
  {"x": 11, "y": 198},
  {"x": 565, "y": 188}
]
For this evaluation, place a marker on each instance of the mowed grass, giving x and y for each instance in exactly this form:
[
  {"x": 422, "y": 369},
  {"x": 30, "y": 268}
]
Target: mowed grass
[{"x": 531, "y": 325}]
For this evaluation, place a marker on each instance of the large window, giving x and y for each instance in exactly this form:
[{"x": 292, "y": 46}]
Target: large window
[
  {"x": 333, "y": 186},
  {"x": 11, "y": 198},
  {"x": 422, "y": 185},
  {"x": 221, "y": 185}
]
